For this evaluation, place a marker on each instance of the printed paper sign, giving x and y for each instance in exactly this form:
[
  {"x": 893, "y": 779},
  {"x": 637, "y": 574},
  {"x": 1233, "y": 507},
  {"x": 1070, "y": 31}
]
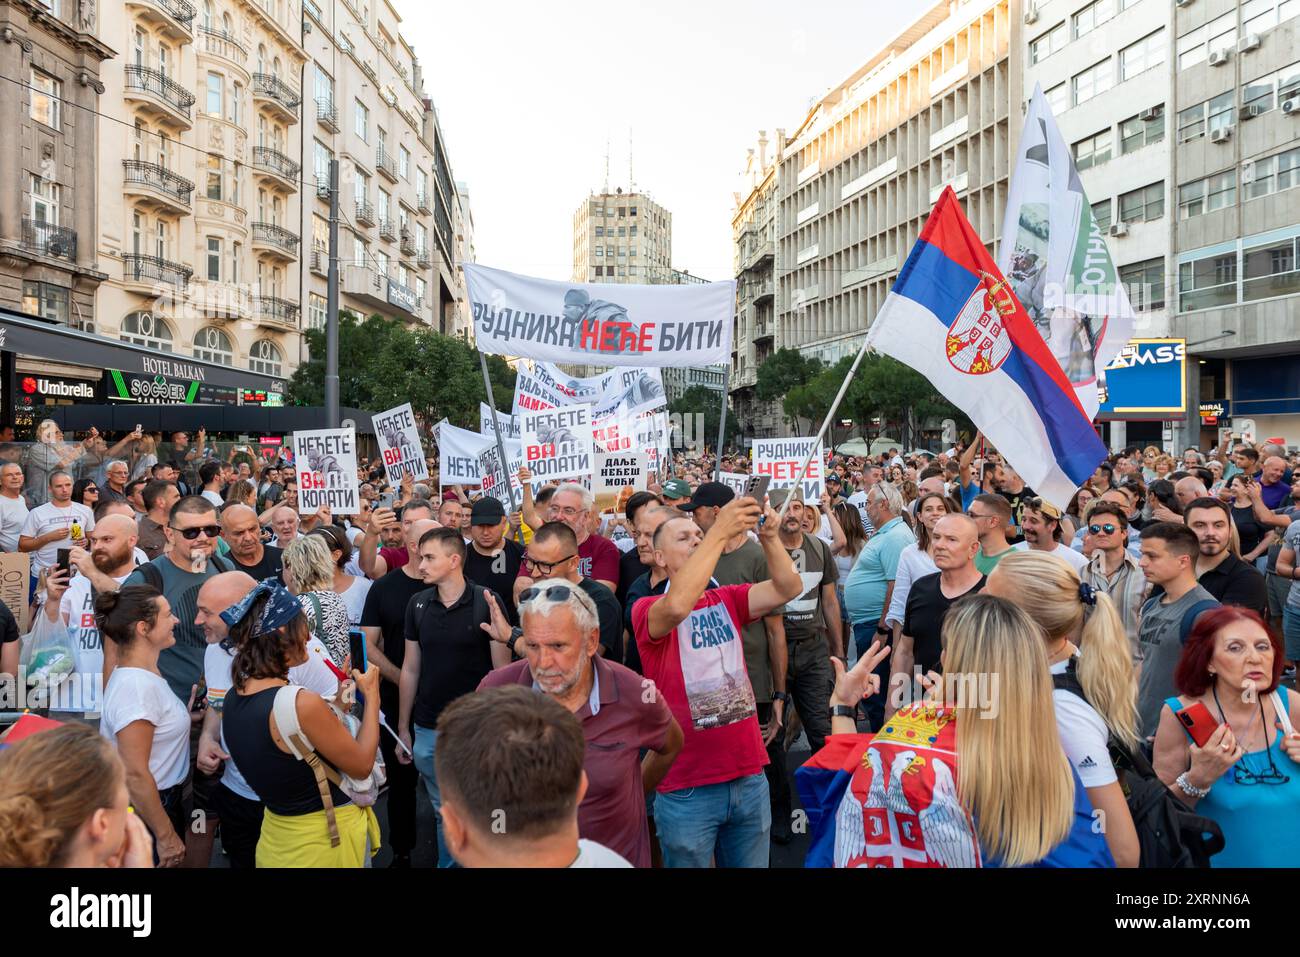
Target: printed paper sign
[
  {"x": 616, "y": 325},
  {"x": 399, "y": 444},
  {"x": 632, "y": 390},
  {"x": 783, "y": 458},
  {"x": 615, "y": 472},
  {"x": 458, "y": 451},
  {"x": 509, "y": 424},
  {"x": 15, "y": 573},
  {"x": 558, "y": 443},
  {"x": 327, "y": 471},
  {"x": 501, "y": 482}
]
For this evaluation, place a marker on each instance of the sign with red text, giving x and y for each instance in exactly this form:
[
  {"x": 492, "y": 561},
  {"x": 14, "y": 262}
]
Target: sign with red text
[
  {"x": 783, "y": 458},
  {"x": 399, "y": 444},
  {"x": 327, "y": 471},
  {"x": 614, "y": 325},
  {"x": 558, "y": 443}
]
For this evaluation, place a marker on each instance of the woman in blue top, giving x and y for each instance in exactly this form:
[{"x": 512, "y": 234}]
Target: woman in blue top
[{"x": 1247, "y": 777}]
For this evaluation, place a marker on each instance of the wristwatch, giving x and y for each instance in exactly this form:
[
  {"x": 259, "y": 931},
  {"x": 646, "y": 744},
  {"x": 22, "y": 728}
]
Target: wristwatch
[
  {"x": 515, "y": 634},
  {"x": 844, "y": 711},
  {"x": 882, "y": 630},
  {"x": 781, "y": 696}
]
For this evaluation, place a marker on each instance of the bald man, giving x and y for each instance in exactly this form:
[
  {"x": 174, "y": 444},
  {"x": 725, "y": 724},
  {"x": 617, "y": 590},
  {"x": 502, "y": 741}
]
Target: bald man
[
  {"x": 235, "y": 804},
  {"x": 1274, "y": 486},
  {"x": 240, "y": 530},
  {"x": 954, "y": 542},
  {"x": 284, "y": 522},
  {"x": 1188, "y": 490}
]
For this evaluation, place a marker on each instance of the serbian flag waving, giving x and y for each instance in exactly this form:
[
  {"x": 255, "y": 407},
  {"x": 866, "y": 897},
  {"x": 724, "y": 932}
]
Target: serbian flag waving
[{"x": 952, "y": 317}]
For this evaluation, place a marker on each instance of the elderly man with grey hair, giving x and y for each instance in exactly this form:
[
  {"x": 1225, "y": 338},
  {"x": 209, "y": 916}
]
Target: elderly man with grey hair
[
  {"x": 558, "y": 638},
  {"x": 598, "y": 557},
  {"x": 116, "y": 474}
]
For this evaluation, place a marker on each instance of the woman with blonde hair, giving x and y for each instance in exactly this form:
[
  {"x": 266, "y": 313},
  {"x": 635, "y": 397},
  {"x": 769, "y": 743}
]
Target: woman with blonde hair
[
  {"x": 973, "y": 774},
  {"x": 309, "y": 574},
  {"x": 1096, "y": 697},
  {"x": 64, "y": 803},
  {"x": 144, "y": 457}
]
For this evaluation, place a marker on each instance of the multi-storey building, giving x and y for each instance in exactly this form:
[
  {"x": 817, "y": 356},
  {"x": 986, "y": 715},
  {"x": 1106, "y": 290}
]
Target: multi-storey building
[
  {"x": 463, "y": 325},
  {"x": 859, "y": 176},
  {"x": 677, "y": 381},
  {"x": 753, "y": 231},
  {"x": 1235, "y": 292},
  {"x": 622, "y": 237}
]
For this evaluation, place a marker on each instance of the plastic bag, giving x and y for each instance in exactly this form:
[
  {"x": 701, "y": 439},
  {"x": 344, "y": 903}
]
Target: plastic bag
[
  {"x": 48, "y": 657},
  {"x": 364, "y": 792}
]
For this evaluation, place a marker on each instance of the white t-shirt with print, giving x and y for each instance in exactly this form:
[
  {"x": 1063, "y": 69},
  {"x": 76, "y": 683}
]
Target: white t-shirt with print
[
  {"x": 134, "y": 694},
  {"x": 1084, "y": 736},
  {"x": 46, "y": 518},
  {"x": 1076, "y": 560},
  {"x": 78, "y": 610},
  {"x": 591, "y": 854}
]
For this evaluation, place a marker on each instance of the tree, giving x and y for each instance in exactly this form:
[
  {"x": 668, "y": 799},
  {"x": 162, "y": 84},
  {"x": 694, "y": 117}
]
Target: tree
[
  {"x": 781, "y": 373},
  {"x": 360, "y": 342},
  {"x": 898, "y": 395},
  {"x": 701, "y": 399}
]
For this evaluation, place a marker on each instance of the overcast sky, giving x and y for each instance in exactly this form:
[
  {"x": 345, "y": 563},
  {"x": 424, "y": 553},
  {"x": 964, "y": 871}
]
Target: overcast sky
[{"x": 528, "y": 93}]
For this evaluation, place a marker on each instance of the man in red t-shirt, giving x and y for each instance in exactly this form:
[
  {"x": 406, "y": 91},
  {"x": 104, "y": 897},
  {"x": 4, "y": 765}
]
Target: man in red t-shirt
[
  {"x": 598, "y": 557},
  {"x": 378, "y": 562},
  {"x": 712, "y": 804}
]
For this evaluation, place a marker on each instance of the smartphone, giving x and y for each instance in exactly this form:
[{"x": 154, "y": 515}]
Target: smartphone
[
  {"x": 63, "y": 560},
  {"x": 756, "y": 488},
  {"x": 139, "y": 427},
  {"x": 357, "y": 649},
  {"x": 1198, "y": 721}
]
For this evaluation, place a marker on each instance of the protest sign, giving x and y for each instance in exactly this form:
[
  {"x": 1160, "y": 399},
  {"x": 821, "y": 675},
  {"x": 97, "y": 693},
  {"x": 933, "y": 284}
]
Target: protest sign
[
  {"x": 783, "y": 458},
  {"x": 734, "y": 481},
  {"x": 458, "y": 451},
  {"x": 496, "y": 478},
  {"x": 534, "y": 395},
  {"x": 615, "y": 472},
  {"x": 648, "y": 325},
  {"x": 326, "y": 460},
  {"x": 15, "y": 574},
  {"x": 558, "y": 443},
  {"x": 509, "y": 423},
  {"x": 399, "y": 444},
  {"x": 632, "y": 389}
]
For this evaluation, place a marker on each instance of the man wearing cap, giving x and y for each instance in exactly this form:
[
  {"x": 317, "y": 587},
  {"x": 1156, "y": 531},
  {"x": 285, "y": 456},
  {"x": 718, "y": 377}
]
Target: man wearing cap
[
  {"x": 677, "y": 492},
  {"x": 492, "y": 560},
  {"x": 1040, "y": 520}
]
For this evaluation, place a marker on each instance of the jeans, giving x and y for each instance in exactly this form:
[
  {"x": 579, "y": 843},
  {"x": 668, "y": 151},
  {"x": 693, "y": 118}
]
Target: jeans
[
  {"x": 426, "y": 740},
  {"x": 809, "y": 679},
  {"x": 864, "y": 633},
  {"x": 727, "y": 823},
  {"x": 1291, "y": 632}
]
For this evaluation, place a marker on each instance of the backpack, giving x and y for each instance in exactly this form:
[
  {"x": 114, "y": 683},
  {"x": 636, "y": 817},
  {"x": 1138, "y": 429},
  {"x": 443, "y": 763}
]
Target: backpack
[
  {"x": 1170, "y": 834},
  {"x": 154, "y": 578}
]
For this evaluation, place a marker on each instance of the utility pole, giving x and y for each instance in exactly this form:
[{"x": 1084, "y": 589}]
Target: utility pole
[{"x": 332, "y": 308}]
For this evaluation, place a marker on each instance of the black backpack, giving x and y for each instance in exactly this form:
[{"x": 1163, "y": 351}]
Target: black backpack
[{"x": 1170, "y": 834}]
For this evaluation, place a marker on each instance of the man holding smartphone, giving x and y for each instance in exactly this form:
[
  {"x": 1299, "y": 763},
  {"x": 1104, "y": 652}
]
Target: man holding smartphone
[{"x": 59, "y": 523}]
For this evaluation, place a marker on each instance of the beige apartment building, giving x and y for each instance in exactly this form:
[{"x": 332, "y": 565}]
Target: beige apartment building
[
  {"x": 463, "y": 325},
  {"x": 622, "y": 237}
]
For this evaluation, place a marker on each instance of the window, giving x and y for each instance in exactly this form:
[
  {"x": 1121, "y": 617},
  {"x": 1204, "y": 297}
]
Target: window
[
  {"x": 360, "y": 255},
  {"x": 420, "y": 288},
  {"x": 1137, "y": 132},
  {"x": 361, "y": 125},
  {"x": 1196, "y": 46},
  {"x": 137, "y": 233},
  {"x": 215, "y": 105},
  {"x": 324, "y": 86},
  {"x": 1101, "y": 214},
  {"x": 1145, "y": 283},
  {"x": 1203, "y": 118},
  {"x": 1143, "y": 205},
  {"x": 1097, "y": 13},
  {"x": 315, "y": 311},
  {"x": 320, "y": 161},
  {"x": 264, "y": 357},
  {"x": 236, "y": 97},
  {"x": 421, "y": 185},
  {"x": 214, "y": 259},
  {"x": 214, "y": 176},
  {"x": 362, "y": 188},
  {"x": 1260, "y": 15},
  {"x": 46, "y": 300},
  {"x": 1092, "y": 81},
  {"x": 1208, "y": 194},
  {"x": 261, "y": 58},
  {"x": 631, "y": 270},
  {"x": 1207, "y": 282},
  {"x": 45, "y": 200},
  {"x": 161, "y": 245},
  {"x": 145, "y": 329},
  {"x": 236, "y": 251},
  {"x": 1260, "y": 93},
  {"x": 1272, "y": 174},
  {"x": 45, "y": 98},
  {"x": 600, "y": 252},
  {"x": 1092, "y": 151},
  {"x": 1050, "y": 42},
  {"x": 1143, "y": 55},
  {"x": 404, "y": 162},
  {"x": 385, "y": 202},
  {"x": 382, "y": 263},
  {"x": 632, "y": 211},
  {"x": 1269, "y": 270},
  {"x": 632, "y": 231},
  {"x": 213, "y": 345},
  {"x": 600, "y": 230},
  {"x": 622, "y": 212}
]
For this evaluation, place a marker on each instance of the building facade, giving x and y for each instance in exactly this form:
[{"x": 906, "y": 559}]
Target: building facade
[
  {"x": 678, "y": 381},
  {"x": 463, "y": 325},
  {"x": 622, "y": 237}
]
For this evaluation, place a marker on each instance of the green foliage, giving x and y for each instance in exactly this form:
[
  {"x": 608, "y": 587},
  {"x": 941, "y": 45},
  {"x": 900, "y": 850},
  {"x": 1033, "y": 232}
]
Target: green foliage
[
  {"x": 782, "y": 371},
  {"x": 700, "y": 398}
]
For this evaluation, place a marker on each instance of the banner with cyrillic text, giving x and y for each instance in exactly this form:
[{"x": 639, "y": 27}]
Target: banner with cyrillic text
[
  {"x": 734, "y": 481},
  {"x": 557, "y": 443},
  {"x": 636, "y": 389},
  {"x": 534, "y": 395},
  {"x": 399, "y": 444},
  {"x": 616, "y": 472},
  {"x": 458, "y": 451},
  {"x": 509, "y": 423},
  {"x": 783, "y": 458},
  {"x": 497, "y": 478},
  {"x": 615, "y": 325},
  {"x": 326, "y": 460}
]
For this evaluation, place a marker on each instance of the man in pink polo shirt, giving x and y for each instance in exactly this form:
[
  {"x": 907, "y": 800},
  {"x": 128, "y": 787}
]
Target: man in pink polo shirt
[
  {"x": 560, "y": 635},
  {"x": 713, "y": 803}
]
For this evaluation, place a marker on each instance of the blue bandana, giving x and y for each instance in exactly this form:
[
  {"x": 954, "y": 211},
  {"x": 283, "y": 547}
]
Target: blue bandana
[{"x": 281, "y": 608}]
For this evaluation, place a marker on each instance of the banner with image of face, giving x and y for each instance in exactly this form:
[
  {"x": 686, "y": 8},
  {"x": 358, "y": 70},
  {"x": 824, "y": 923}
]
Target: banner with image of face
[
  {"x": 500, "y": 480},
  {"x": 399, "y": 444},
  {"x": 326, "y": 460},
  {"x": 534, "y": 395},
  {"x": 635, "y": 389},
  {"x": 558, "y": 443},
  {"x": 783, "y": 458}
]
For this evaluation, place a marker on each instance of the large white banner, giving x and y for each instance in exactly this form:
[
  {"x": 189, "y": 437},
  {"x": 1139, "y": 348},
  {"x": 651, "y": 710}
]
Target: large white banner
[
  {"x": 614, "y": 325},
  {"x": 557, "y": 443},
  {"x": 399, "y": 444},
  {"x": 326, "y": 460},
  {"x": 636, "y": 389},
  {"x": 509, "y": 423},
  {"x": 1056, "y": 259},
  {"x": 458, "y": 452},
  {"x": 782, "y": 459}
]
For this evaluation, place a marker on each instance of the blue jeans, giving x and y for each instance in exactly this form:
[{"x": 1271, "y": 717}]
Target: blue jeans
[
  {"x": 864, "y": 633},
  {"x": 729, "y": 823},
  {"x": 426, "y": 741},
  {"x": 1291, "y": 631}
]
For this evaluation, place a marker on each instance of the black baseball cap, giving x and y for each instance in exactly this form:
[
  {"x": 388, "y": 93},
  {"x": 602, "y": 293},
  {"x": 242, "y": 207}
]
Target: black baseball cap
[
  {"x": 487, "y": 511},
  {"x": 709, "y": 495}
]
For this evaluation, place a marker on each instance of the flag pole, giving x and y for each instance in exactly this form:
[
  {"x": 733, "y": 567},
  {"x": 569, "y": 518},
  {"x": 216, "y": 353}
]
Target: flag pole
[
  {"x": 496, "y": 427},
  {"x": 830, "y": 417},
  {"x": 722, "y": 432}
]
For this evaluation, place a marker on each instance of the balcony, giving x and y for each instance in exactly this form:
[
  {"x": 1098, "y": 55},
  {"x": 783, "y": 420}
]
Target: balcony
[
  {"x": 365, "y": 213},
  {"x": 423, "y": 204},
  {"x": 423, "y": 259},
  {"x": 146, "y": 273},
  {"x": 327, "y": 114},
  {"x": 45, "y": 239},
  {"x": 764, "y": 329},
  {"x": 385, "y": 163},
  {"x": 276, "y": 240},
  {"x": 174, "y": 19},
  {"x": 764, "y": 292},
  {"x": 407, "y": 243},
  {"x": 220, "y": 301},
  {"x": 275, "y": 165},
  {"x": 760, "y": 254},
  {"x": 386, "y": 230},
  {"x": 320, "y": 261},
  {"x": 157, "y": 186},
  {"x": 222, "y": 46},
  {"x": 277, "y": 96},
  {"x": 277, "y": 313},
  {"x": 323, "y": 188},
  {"x": 160, "y": 95}
]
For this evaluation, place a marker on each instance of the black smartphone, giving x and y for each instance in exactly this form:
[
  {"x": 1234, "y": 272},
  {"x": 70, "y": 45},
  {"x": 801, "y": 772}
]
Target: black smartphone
[
  {"x": 63, "y": 560},
  {"x": 357, "y": 649},
  {"x": 756, "y": 488}
]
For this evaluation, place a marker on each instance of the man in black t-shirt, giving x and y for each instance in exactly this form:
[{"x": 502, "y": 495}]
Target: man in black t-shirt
[
  {"x": 241, "y": 532},
  {"x": 383, "y": 619},
  {"x": 1013, "y": 488},
  {"x": 492, "y": 560}
]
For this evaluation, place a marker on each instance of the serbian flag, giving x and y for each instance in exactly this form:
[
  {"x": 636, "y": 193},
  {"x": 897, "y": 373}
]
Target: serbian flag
[{"x": 952, "y": 317}]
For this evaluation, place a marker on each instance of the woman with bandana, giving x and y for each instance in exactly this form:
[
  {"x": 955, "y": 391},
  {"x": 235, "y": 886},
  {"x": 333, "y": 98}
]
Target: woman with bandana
[{"x": 306, "y": 823}]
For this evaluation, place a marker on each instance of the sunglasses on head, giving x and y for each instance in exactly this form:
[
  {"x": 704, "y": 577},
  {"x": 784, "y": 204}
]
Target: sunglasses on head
[
  {"x": 212, "y": 531},
  {"x": 552, "y": 593},
  {"x": 1107, "y": 529}
]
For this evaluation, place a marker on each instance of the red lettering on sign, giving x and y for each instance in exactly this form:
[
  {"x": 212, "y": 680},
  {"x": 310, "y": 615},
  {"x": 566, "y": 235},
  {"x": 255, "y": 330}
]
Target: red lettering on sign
[
  {"x": 645, "y": 343},
  {"x": 311, "y": 480},
  {"x": 392, "y": 456},
  {"x": 590, "y": 335}
]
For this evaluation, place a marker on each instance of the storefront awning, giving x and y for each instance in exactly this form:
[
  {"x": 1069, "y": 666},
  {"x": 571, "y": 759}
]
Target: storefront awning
[{"x": 243, "y": 419}]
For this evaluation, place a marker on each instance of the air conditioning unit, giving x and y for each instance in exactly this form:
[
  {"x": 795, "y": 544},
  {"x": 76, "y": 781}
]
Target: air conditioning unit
[
  {"x": 1218, "y": 57},
  {"x": 1247, "y": 43},
  {"x": 1221, "y": 135},
  {"x": 1291, "y": 106},
  {"x": 1119, "y": 229},
  {"x": 1031, "y": 13},
  {"x": 1249, "y": 111},
  {"x": 1146, "y": 116}
]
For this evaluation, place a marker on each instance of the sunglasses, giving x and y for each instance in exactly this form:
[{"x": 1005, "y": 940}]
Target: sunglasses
[
  {"x": 212, "y": 531},
  {"x": 552, "y": 593},
  {"x": 545, "y": 567},
  {"x": 1107, "y": 529}
]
